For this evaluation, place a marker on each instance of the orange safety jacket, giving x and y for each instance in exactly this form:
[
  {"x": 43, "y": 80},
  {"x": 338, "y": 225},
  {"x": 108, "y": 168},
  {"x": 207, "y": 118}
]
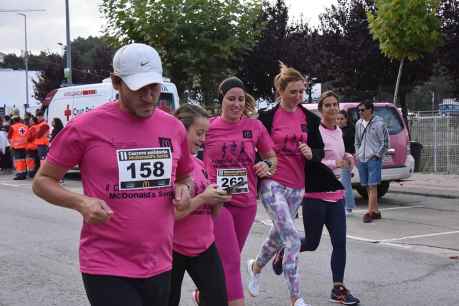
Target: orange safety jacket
[
  {"x": 17, "y": 135},
  {"x": 42, "y": 133},
  {"x": 31, "y": 132}
]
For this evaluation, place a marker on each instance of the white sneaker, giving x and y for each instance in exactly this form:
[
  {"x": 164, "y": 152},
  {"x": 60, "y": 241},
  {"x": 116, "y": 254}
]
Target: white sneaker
[
  {"x": 253, "y": 283},
  {"x": 348, "y": 211},
  {"x": 300, "y": 302}
]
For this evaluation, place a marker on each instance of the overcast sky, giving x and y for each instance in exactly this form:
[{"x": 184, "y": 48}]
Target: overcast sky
[{"x": 46, "y": 29}]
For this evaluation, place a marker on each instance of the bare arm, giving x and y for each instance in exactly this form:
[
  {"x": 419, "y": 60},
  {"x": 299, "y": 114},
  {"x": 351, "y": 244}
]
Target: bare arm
[
  {"x": 262, "y": 169},
  {"x": 46, "y": 186}
]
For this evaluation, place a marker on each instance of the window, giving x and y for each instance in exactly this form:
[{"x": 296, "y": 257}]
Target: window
[{"x": 390, "y": 116}]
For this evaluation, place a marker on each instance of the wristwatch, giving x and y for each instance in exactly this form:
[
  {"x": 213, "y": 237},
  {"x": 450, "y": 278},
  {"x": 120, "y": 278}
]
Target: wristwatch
[{"x": 268, "y": 162}]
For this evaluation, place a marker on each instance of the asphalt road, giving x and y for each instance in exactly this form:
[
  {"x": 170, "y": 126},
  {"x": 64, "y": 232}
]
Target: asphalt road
[{"x": 410, "y": 257}]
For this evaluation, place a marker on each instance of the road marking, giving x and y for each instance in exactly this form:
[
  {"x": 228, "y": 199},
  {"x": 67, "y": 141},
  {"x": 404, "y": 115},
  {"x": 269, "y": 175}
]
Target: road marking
[
  {"x": 390, "y": 208},
  {"x": 362, "y": 239},
  {"x": 11, "y": 185},
  {"x": 420, "y": 236}
]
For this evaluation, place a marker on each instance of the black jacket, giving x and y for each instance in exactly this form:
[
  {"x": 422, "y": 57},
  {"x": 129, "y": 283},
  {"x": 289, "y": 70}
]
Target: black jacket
[
  {"x": 319, "y": 178},
  {"x": 349, "y": 138}
]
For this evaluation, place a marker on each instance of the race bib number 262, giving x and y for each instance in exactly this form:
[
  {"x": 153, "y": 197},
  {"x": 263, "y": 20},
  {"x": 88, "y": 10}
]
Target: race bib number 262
[{"x": 144, "y": 168}]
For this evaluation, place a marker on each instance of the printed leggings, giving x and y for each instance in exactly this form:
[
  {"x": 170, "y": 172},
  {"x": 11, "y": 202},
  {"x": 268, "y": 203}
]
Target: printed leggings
[
  {"x": 316, "y": 214},
  {"x": 282, "y": 203}
]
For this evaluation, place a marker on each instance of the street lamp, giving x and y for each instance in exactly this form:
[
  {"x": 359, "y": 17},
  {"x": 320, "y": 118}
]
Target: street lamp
[{"x": 26, "y": 63}]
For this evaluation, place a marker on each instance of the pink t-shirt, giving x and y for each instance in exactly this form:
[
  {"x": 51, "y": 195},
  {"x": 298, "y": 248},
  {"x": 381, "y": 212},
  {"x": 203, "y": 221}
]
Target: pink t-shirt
[
  {"x": 288, "y": 130},
  {"x": 131, "y": 164},
  {"x": 230, "y": 152},
  {"x": 194, "y": 233},
  {"x": 334, "y": 150}
]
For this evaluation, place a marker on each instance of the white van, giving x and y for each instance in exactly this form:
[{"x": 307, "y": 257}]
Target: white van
[{"x": 68, "y": 102}]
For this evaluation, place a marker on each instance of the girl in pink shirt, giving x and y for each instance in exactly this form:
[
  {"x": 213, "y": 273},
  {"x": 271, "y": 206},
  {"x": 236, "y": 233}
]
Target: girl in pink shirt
[
  {"x": 194, "y": 247},
  {"x": 230, "y": 151}
]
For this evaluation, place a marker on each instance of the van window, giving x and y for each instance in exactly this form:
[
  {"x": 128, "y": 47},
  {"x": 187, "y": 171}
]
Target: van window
[
  {"x": 390, "y": 116},
  {"x": 166, "y": 102}
]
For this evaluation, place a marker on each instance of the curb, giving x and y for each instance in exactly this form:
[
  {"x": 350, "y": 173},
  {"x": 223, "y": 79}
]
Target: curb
[{"x": 432, "y": 195}]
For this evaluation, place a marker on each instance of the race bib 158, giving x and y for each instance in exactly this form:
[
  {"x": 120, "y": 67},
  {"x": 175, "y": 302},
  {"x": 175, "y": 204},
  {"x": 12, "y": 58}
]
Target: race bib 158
[{"x": 144, "y": 168}]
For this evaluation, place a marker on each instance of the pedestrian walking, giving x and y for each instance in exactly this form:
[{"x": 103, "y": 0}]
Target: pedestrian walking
[
  {"x": 346, "y": 126},
  {"x": 233, "y": 140},
  {"x": 194, "y": 241},
  {"x": 135, "y": 168},
  {"x": 371, "y": 142},
  {"x": 295, "y": 132}
]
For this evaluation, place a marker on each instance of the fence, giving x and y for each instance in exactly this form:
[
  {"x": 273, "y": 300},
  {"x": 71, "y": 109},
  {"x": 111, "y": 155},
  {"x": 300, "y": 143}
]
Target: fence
[{"x": 439, "y": 136}]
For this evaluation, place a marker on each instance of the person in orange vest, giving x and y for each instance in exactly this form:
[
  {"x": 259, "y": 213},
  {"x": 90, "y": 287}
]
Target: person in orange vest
[
  {"x": 18, "y": 140},
  {"x": 31, "y": 147},
  {"x": 41, "y": 136}
]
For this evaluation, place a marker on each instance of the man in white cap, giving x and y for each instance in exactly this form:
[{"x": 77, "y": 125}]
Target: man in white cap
[{"x": 135, "y": 168}]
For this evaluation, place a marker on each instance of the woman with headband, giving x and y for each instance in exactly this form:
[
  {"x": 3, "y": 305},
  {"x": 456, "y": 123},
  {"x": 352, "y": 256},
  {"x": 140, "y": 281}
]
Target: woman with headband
[{"x": 233, "y": 140}]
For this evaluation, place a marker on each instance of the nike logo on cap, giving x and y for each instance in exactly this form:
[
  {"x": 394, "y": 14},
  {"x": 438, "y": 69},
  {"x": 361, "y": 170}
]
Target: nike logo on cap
[{"x": 143, "y": 63}]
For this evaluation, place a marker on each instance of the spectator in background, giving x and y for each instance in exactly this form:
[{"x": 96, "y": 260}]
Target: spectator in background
[
  {"x": 57, "y": 127},
  {"x": 348, "y": 130},
  {"x": 371, "y": 142},
  {"x": 41, "y": 137}
]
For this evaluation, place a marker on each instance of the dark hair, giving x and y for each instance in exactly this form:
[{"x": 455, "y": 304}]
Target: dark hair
[
  {"x": 325, "y": 95},
  {"x": 344, "y": 113},
  {"x": 285, "y": 76},
  {"x": 227, "y": 84},
  {"x": 187, "y": 113},
  {"x": 368, "y": 104},
  {"x": 57, "y": 123}
]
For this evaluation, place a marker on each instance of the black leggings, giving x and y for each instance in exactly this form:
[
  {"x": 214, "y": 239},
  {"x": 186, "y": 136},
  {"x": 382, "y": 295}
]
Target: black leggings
[
  {"x": 122, "y": 291},
  {"x": 316, "y": 214},
  {"x": 207, "y": 273}
]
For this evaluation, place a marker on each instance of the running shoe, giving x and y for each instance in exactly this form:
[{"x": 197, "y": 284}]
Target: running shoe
[
  {"x": 339, "y": 294},
  {"x": 253, "y": 283},
  {"x": 277, "y": 262},
  {"x": 300, "y": 302},
  {"x": 195, "y": 296},
  {"x": 367, "y": 218}
]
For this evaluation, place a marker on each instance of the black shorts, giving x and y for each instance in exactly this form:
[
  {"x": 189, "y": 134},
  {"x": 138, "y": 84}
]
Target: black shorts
[{"x": 104, "y": 290}]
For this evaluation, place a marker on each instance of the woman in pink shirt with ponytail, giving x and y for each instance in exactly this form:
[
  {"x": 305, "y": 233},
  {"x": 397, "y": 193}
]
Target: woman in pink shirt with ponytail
[
  {"x": 230, "y": 151},
  {"x": 323, "y": 202}
]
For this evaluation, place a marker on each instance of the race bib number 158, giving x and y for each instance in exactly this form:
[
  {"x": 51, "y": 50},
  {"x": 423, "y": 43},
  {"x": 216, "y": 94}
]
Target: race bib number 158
[{"x": 144, "y": 168}]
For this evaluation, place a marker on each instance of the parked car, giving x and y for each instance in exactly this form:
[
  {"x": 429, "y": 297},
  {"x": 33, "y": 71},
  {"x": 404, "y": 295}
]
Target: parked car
[{"x": 398, "y": 163}]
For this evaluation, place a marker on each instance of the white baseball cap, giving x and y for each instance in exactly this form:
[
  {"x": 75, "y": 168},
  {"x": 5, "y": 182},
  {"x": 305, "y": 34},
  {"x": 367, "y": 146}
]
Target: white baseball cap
[{"x": 138, "y": 65}]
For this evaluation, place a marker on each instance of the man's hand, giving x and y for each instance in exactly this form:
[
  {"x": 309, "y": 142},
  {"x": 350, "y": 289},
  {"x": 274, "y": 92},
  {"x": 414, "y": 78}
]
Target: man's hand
[
  {"x": 94, "y": 211},
  {"x": 182, "y": 196}
]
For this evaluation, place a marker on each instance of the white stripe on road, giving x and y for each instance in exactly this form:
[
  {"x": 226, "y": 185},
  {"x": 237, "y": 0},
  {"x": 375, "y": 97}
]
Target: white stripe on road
[
  {"x": 420, "y": 236},
  {"x": 390, "y": 208},
  {"x": 11, "y": 185}
]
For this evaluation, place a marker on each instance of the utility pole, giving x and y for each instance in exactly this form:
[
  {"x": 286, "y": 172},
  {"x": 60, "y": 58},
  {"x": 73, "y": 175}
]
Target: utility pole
[
  {"x": 68, "y": 69},
  {"x": 26, "y": 51}
]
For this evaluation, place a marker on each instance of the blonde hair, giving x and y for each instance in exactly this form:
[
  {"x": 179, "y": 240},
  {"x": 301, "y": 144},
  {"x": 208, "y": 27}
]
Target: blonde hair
[
  {"x": 187, "y": 113},
  {"x": 285, "y": 76},
  {"x": 250, "y": 107}
]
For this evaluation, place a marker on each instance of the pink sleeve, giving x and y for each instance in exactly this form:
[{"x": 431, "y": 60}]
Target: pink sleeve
[
  {"x": 185, "y": 163},
  {"x": 67, "y": 149},
  {"x": 330, "y": 163},
  {"x": 265, "y": 143}
]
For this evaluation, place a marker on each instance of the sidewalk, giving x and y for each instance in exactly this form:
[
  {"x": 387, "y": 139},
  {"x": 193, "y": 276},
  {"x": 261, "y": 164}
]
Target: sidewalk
[{"x": 433, "y": 185}]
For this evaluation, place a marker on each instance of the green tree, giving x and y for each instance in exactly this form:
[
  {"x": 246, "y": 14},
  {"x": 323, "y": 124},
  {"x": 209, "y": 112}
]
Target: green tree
[
  {"x": 199, "y": 41},
  {"x": 405, "y": 30}
]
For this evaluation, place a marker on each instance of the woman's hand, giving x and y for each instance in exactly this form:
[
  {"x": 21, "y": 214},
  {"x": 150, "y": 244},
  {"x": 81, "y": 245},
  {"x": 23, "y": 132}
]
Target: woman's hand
[
  {"x": 305, "y": 150},
  {"x": 213, "y": 196},
  {"x": 262, "y": 169}
]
